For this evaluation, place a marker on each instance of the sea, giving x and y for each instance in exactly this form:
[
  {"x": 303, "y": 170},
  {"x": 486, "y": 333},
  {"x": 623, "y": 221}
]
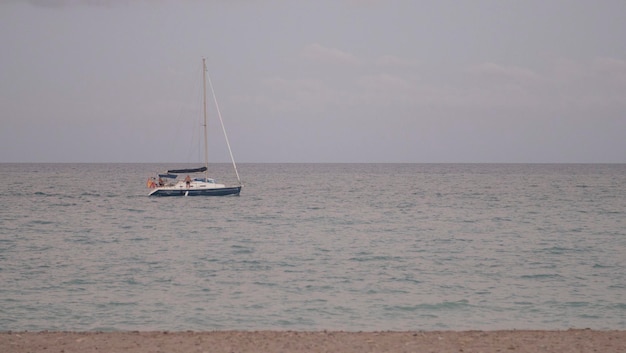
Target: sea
[{"x": 353, "y": 247}]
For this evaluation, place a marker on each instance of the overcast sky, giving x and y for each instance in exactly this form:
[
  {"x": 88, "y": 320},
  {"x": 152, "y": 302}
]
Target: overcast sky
[{"x": 314, "y": 81}]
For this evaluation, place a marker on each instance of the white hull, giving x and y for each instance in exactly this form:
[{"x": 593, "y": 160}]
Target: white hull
[{"x": 196, "y": 188}]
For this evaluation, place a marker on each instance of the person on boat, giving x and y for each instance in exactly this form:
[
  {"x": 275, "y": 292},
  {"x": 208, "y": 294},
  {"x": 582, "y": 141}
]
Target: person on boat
[
  {"x": 161, "y": 183},
  {"x": 188, "y": 181}
]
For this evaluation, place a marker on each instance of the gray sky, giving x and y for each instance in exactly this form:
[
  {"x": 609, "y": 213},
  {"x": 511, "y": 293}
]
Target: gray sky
[{"x": 314, "y": 81}]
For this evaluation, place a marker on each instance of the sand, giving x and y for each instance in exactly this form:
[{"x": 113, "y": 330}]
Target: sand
[{"x": 326, "y": 341}]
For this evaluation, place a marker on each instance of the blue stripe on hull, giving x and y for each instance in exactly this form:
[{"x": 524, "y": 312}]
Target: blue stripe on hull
[{"x": 199, "y": 192}]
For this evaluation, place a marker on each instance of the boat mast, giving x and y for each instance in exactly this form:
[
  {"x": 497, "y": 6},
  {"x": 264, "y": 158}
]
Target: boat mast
[{"x": 206, "y": 146}]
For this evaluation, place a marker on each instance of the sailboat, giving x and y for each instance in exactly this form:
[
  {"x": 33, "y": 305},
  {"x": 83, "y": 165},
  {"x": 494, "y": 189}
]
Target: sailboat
[{"x": 167, "y": 185}]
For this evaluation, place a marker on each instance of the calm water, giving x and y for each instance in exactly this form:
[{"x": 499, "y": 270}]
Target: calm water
[{"x": 315, "y": 246}]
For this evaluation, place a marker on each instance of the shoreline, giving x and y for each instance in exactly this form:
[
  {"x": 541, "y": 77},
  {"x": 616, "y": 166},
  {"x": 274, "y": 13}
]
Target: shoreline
[{"x": 572, "y": 340}]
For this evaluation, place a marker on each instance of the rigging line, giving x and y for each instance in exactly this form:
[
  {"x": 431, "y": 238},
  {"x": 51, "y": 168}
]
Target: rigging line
[{"x": 223, "y": 128}]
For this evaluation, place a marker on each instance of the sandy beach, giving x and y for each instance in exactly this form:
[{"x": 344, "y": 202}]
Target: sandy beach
[{"x": 327, "y": 341}]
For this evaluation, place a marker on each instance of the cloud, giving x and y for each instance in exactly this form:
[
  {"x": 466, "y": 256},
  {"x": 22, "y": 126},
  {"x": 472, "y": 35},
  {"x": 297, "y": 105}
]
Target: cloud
[
  {"x": 394, "y": 61},
  {"x": 504, "y": 73},
  {"x": 365, "y": 2},
  {"x": 384, "y": 89},
  {"x": 574, "y": 90},
  {"x": 384, "y": 82},
  {"x": 568, "y": 86},
  {"x": 610, "y": 65},
  {"x": 318, "y": 53},
  {"x": 612, "y": 71},
  {"x": 295, "y": 95},
  {"x": 58, "y": 4}
]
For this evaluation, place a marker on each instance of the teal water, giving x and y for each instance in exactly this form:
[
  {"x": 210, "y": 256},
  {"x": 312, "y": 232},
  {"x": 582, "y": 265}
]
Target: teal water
[{"x": 315, "y": 246}]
